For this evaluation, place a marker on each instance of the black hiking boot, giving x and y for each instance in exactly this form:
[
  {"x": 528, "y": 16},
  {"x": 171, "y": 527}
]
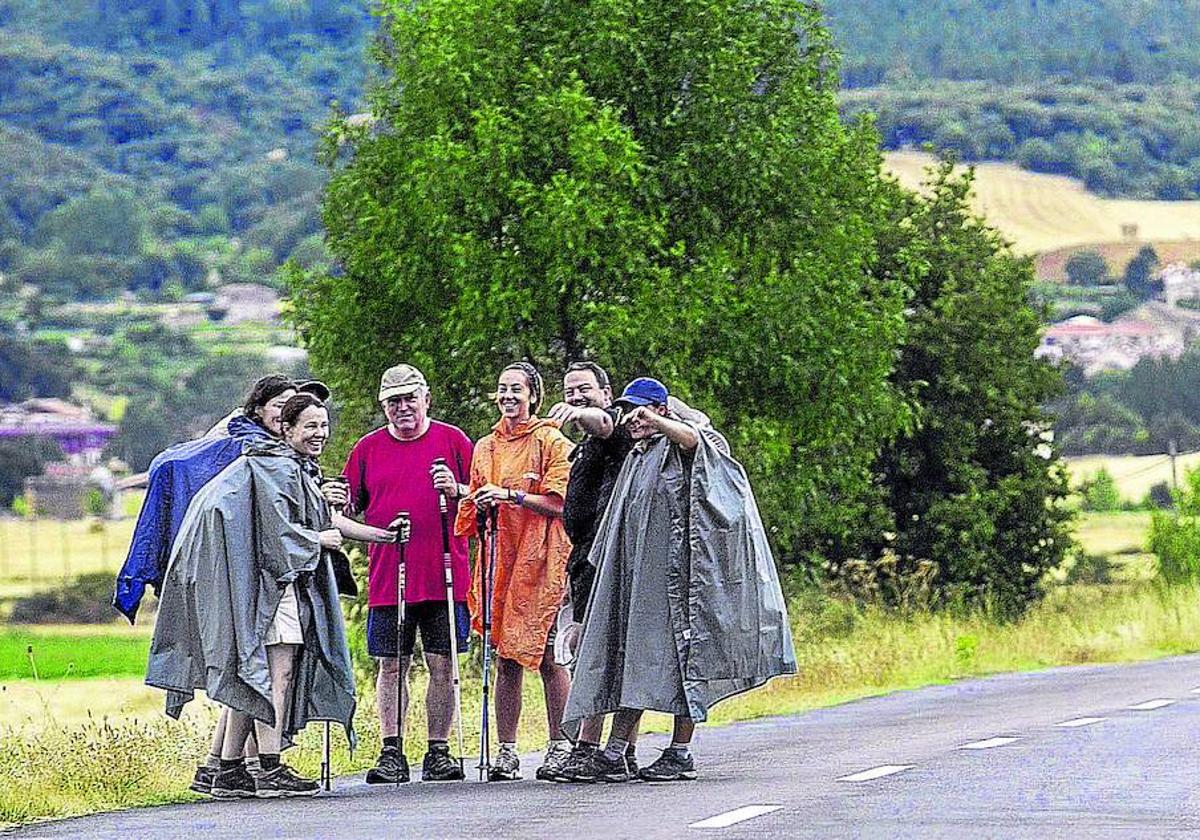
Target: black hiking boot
[
  {"x": 202, "y": 782},
  {"x": 233, "y": 783},
  {"x": 283, "y": 781},
  {"x": 390, "y": 769},
  {"x": 440, "y": 766},
  {"x": 672, "y": 766},
  {"x": 575, "y": 762},
  {"x": 598, "y": 767}
]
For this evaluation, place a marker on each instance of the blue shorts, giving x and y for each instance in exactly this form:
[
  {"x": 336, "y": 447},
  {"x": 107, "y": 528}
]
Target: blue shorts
[{"x": 429, "y": 616}]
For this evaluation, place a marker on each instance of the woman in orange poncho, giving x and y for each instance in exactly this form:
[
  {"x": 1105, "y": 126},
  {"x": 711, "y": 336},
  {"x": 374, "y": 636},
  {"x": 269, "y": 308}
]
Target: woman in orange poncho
[{"x": 522, "y": 469}]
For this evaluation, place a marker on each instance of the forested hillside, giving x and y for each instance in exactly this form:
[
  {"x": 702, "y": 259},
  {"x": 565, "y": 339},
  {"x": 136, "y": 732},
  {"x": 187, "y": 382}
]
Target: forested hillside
[
  {"x": 164, "y": 145},
  {"x": 146, "y": 145},
  {"x": 1103, "y": 90}
]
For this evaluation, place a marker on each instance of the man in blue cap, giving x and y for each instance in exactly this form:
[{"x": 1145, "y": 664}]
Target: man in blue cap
[{"x": 686, "y": 608}]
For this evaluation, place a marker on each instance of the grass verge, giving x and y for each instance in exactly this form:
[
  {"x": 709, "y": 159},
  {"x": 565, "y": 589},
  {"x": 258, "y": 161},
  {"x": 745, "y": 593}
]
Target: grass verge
[{"x": 845, "y": 652}]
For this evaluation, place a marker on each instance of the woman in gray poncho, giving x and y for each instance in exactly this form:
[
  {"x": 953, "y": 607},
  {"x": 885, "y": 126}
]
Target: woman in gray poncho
[{"x": 249, "y": 609}]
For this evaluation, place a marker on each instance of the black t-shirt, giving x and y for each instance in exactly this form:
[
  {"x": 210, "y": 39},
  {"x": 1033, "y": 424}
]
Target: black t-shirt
[{"x": 595, "y": 464}]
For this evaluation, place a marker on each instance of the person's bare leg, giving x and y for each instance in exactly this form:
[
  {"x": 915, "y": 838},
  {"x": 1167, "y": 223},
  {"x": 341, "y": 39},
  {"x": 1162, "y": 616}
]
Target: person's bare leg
[
  {"x": 685, "y": 727},
  {"x": 625, "y": 723},
  {"x": 509, "y": 676},
  {"x": 280, "y": 660},
  {"x": 386, "y": 695},
  {"x": 556, "y": 685},
  {"x": 592, "y": 730},
  {"x": 218, "y": 741},
  {"x": 439, "y": 701},
  {"x": 237, "y": 729}
]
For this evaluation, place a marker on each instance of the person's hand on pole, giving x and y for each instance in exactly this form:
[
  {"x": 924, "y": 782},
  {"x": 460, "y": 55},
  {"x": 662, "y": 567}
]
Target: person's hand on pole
[
  {"x": 400, "y": 529},
  {"x": 444, "y": 480},
  {"x": 331, "y": 539},
  {"x": 336, "y": 492},
  {"x": 491, "y": 495}
]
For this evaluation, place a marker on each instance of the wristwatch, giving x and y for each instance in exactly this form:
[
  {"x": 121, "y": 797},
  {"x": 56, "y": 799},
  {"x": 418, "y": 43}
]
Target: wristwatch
[{"x": 520, "y": 498}]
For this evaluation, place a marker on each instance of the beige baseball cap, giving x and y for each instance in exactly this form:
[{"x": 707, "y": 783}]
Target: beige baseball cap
[{"x": 400, "y": 380}]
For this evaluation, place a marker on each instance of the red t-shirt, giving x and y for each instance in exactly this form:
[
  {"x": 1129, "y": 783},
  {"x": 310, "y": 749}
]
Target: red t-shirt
[{"x": 387, "y": 476}]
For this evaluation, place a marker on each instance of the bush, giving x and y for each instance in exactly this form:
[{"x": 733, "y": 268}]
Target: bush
[
  {"x": 1100, "y": 492},
  {"x": 85, "y": 600},
  {"x": 1160, "y": 497},
  {"x": 1175, "y": 536},
  {"x": 1087, "y": 268}
]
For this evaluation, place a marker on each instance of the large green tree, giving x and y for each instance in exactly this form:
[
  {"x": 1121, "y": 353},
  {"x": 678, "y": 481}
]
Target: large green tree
[
  {"x": 975, "y": 486},
  {"x": 663, "y": 185}
]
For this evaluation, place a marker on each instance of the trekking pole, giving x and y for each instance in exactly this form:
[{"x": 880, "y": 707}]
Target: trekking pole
[
  {"x": 493, "y": 527},
  {"x": 327, "y": 762},
  {"x": 455, "y": 677},
  {"x": 485, "y": 751},
  {"x": 402, "y": 537}
]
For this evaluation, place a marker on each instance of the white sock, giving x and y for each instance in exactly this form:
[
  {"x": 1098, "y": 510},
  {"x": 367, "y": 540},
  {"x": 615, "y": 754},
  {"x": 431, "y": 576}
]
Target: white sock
[
  {"x": 684, "y": 749},
  {"x": 508, "y": 746}
]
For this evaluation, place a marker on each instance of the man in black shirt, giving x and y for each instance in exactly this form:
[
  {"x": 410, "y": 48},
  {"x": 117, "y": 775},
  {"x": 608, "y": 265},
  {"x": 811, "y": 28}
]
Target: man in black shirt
[{"x": 595, "y": 463}]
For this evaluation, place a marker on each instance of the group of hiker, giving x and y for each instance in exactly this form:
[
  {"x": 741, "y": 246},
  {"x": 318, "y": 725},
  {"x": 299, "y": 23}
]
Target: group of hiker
[{"x": 631, "y": 571}]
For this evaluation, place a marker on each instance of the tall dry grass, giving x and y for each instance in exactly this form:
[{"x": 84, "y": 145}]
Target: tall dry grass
[{"x": 844, "y": 650}]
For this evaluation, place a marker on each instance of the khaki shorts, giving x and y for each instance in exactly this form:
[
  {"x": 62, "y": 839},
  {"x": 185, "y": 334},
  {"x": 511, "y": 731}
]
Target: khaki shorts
[{"x": 285, "y": 628}]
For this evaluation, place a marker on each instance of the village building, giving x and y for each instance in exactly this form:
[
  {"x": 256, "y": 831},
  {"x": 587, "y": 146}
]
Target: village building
[
  {"x": 64, "y": 490},
  {"x": 1096, "y": 346}
]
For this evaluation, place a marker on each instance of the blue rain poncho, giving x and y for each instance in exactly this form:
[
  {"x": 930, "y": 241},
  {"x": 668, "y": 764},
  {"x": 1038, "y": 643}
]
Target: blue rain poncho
[{"x": 175, "y": 476}]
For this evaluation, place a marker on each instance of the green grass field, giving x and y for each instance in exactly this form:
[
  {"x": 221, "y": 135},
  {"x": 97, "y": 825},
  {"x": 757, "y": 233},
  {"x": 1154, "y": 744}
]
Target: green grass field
[{"x": 28, "y": 654}]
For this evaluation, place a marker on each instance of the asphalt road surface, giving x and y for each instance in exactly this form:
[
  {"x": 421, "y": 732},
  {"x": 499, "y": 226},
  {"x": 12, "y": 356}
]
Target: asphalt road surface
[{"x": 1096, "y": 752}]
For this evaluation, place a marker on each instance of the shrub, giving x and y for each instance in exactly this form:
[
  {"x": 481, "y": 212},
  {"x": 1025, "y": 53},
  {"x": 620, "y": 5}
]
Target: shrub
[
  {"x": 1100, "y": 492},
  {"x": 1175, "y": 536},
  {"x": 85, "y": 600}
]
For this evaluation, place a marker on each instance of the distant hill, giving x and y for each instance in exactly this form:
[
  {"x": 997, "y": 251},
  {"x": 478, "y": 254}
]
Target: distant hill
[
  {"x": 162, "y": 144},
  {"x": 1102, "y": 90}
]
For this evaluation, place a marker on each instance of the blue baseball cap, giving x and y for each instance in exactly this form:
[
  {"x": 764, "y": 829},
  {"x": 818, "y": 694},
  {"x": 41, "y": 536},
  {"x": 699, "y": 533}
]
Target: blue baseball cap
[{"x": 644, "y": 391}]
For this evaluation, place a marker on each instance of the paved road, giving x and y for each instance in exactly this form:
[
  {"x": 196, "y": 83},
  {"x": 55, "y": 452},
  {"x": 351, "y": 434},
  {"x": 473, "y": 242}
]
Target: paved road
[{"x": 986, "y": 758}]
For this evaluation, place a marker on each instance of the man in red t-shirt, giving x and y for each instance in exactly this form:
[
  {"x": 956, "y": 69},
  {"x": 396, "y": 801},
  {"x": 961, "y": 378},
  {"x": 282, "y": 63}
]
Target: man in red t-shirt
[{"x": 392, "y": 470}]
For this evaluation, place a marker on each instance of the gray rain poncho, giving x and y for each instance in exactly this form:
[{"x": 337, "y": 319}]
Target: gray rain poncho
[
  {"x": 686, "y": 609},
  {"x": 249, "y": 532}
]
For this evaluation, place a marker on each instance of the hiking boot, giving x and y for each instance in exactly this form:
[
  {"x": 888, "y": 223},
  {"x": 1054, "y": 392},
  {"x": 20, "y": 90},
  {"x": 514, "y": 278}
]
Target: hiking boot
[
  {"x": 234, "y": 783},
  {"x": 283, "y": 781},
  {"x": 507, "y": 767},
  {"x": 557, "y": 755},
  {"x": 672, "y": 766},
  {"x": 579, "y": 755},
  {"x": 202, "y": 782},
  {"x": 598, "y": 767},
  {"x": 439, "y": 766},
  {"x": 390, "y": 769}
]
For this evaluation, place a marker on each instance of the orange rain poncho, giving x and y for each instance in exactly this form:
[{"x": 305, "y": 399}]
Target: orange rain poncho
[{"x": 532, "y": 549}]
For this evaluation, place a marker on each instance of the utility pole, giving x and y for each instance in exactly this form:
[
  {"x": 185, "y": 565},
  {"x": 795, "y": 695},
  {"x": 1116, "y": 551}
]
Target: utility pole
[{"x": 1172, "y": 450}]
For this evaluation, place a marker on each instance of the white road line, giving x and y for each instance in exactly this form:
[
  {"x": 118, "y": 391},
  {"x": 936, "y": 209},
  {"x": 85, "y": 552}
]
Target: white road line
[
  {"x": 988, "y": 744},
  {"x": 1084, "y": 721},
  {"x": 876, "y": 773},
  {"x": 747, "y": 812},
  {"x": 1150, "y": 705}
]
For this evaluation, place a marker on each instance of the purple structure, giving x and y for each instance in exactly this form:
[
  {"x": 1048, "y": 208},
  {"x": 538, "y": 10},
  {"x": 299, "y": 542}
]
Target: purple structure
[{"x": 81, "y": 437}]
